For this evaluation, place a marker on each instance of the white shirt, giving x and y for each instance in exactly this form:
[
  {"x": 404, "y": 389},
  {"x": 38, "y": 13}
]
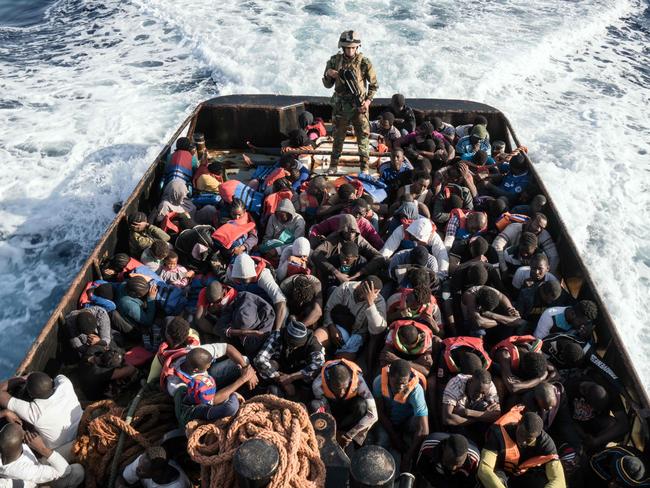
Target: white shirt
[
  {"x": 546, "y": 323},
  {"x": 435, "y": 246},
  {"x": 56, "y": 418},
  {"x": 218, "y": 350},
  {"x": 523, "y": 273},
  {"x": 131, "y": 477},
  {"x": 27, "y": 468}
]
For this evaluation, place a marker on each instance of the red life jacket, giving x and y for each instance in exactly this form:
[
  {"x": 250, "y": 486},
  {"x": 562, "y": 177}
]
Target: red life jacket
[
  {"x": 271, "y": 201},
  {"x": 532, "y": 343},
  {"x": 274, "y": 176},
  {"x": 473, "y": 343},
  {"x": 130, "y": 266},
  {"x": 167, "y": 356},
  {"x": 462, "y": 220},
  {"x": 424, "y": 346},
  {"x": 84, "y": 298},
  {"x": 227, "y": 190},
  {"x": 296, "y": 266},
  {"x": 354, "y": 383},
  {"x": 508, "y": 218},
  {"x": 203, "y": 170},
  {"x": 402, "y": 396},
  {"x": 168, "y": 224},
  {"x": 358, "y": 186},
  {"x": 426, "y": 309},
  {"x": 318, "y": 126},
  {"x": 233, "y": 230}
]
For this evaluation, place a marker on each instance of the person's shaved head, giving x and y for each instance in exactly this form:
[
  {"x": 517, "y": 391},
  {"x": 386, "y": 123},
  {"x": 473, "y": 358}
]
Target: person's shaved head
[
  {"x": 198, "y": 358},
  {"x": 11, "y": 441},
  {"x": 39, "y": 385}
]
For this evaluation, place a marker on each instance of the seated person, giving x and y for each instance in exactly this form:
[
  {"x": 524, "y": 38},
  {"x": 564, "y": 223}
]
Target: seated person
[
  {"x": 416, "y": 301},
  {"x": 178, "y": 338},
  {"x": 403, "y": 261},
  {"x": 88, "y": 327},
  {"x": 211, "y": 302},
  {"x": 174, "y": 274},
  {"x": 465, "y": 129},
  {"x": 461, "y": 354},
  {"x": 404, "y": 116},
  {"x": 464, "y": 226},
  {"x": 153, "y": 256},
  {"x": 597, "y": 410},
  {"x": 358, "y": 210},
  {"x": 534, "y": 301},
  {"x": 425, "y": 143},
  {"x": 402, "y": 408},
  {"x": 98, "y": 293},
  {"x": 283, "y": 227},
  {"x": 247, "y": 321},
  {"x": 313, "y": 197},
  {"x": 385, "y": 129},
  {"x": 511, "y": 235},
  {"x": 522, "y": 365},
  {"x": 477, "y": 139},
  {"x": 409, "y": 340},
  {"x": 20, "y": 451},
  {"x": 304, "y": 298},
  {"x": 142, "y": 234},
  {"x": 341, "y": 391},
  {"x": 347, "y": 265},
  {"x": 391, "y": 173},
  {"x": 483, "y": 309},
  {"x": 521, "y": 254},
  {"x": 535, "y": 273},
  {"x": 577, "y": 320},
  {"x": 291, "y": 358},
  {"x": 152, "y": 469},
  {"x": 101, "y": 371},
  {"x": 453, "y": 179},
  {"x": 348, "y": 232},
  {"x": 441, "y": 127},
  {"x": 181, "y": 163},
  {"x": 514, "y": 184},
  {"x": 448, "y": 461},
  {"x": 469, "y": 399},
  {"x": 519, "y": 453},
  {"x": 623, "y": 466},
  {"x": 236, "y": 233},
  {"x": 174, "y": 200},
  {"x": 208, "y": 179},
  {"x": 365, "y": 308},
  {"x": 419, "y": 189},
  {"x": 452, "y": 196},
  {"x": 52, "y": 408},
  {"x": 198, "y": 393},
  {"x": 136, "y": 302},
  {"x": 474, "y": 272},
  {"x": 295, "y": 260},
  {"x": 419, "y": 232},
  {"x": 248, "y": 274},
  {"x": 345, "y": 196}
]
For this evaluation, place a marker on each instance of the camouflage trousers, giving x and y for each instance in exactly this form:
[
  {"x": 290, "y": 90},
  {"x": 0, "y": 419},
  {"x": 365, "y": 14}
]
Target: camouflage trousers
[{"x": 344, "y": 114}]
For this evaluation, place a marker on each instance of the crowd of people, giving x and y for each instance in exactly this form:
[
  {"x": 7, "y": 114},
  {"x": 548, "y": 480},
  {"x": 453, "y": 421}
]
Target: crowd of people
[{"x": 420, "y": 303}]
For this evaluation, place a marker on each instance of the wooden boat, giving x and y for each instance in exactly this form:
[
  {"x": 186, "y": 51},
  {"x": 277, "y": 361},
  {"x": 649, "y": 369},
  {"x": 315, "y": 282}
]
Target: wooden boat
[{"x": 228, "y": 121}]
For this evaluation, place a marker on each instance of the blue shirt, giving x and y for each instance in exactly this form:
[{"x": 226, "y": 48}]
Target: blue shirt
[
  {"x": 415, "y": 406},
  {"x": 388, "y": 174},
  {"x": 515, "y": 184},
  {"x": 464, "y": 146},
  {"x": 469, "y": 156}
]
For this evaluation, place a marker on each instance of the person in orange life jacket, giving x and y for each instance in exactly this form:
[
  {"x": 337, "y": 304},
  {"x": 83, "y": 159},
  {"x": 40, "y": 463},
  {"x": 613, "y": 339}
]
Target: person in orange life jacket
[
  {"x": 283, "y": 227},
  {"x": 478, "y": 305},
  {"x": 536, "y": 273},
  {"x": 211, "y": 302},
  {"x": 103, "y": 372},
  {"x": 247, "y": 322},
  {"x": 209, "y": 178},
  {"x": 452, "y": 196},
  {"x": 237, "y": 223},
  {"x": 402, "y": 410},
  {"x": 314, "y": 128},
  {"x": 182, "y": 162},
  {"x": 416, "y": 301},
  {"x": 347, "y": 265},
  {"x": 153, "y": 256},
  {"x": 244, "y": 275},
  {"x": 520, "y": 255},
  {"x": 384, "y": 128},
  {"x": 312, "y": 197},
  {"x": 136, "y": 302},
  {"x": 597, "y": 410},
  {"x": 408, "y": 340},
  {"x": 360, "y": 209},
  {"x": 462, "y": 227},
  {"x": 516, "y": 377},
  {"x": 175, "y": 199},
  {"x": 304, "y": 298},
  {"x": 142, "y": 234},
  {"x": 88, "y": 327},
  {"x": 618, "y": 467},
  {"x": 198, "y": 395},
  {"x": 345, "y": 196},
  {"x": 178, "y": 336},
  {"x": 518, "y": 452},
  {"x": 295, "y": 259},
  {"x": 461, "y": 354},
  {"x": 577, "y": 320},
  {"x": 348, "y": 232},
  {"x": 448, "y": 461},
  {"x": 173, "y": 274},
  {"x": 341, "y": 390},
  {"x": 153, "y": 469},
  {"x": 469, "y": 400}
]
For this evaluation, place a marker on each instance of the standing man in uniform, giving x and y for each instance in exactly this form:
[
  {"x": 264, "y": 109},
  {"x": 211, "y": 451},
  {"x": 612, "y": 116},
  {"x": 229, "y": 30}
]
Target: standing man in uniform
[{"x": 346, "y": 109}]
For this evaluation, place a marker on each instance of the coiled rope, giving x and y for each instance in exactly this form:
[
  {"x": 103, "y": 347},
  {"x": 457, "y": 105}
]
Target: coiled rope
[{"x": 280, "y": 422}]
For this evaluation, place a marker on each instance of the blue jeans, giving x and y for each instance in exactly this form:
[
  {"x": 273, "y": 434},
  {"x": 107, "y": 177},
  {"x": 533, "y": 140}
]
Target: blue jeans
[{"x": 224, "y": 372}]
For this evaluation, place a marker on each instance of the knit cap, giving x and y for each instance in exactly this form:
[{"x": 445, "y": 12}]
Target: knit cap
[{"x": 243, "y": 267}]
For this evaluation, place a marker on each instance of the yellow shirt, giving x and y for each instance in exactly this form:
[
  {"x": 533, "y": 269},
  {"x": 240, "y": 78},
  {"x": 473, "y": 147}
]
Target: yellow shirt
[{"x": 207, "y": 182}]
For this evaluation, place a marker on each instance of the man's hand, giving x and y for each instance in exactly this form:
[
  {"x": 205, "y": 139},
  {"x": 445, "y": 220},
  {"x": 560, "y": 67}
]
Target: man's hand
[
  {"x": 341, "y": 277},
  {"x": 332, "y": 73},
  {"x": 139, "y": 226},
  {"x": 93, "y": 339},
  {"x": 249, "y": 376},
  {"x": 365, "y": 106},
  {"x": 512, "y": 312},
  {"x": 190, "y": 274},
  {"x": 35, "y": 442},
  {"x": 10, "y": 416},
  {"x": 238, "y": 250},
  {"x": 344, "y": 441},
  {"x": 153, "y": 291},
  {"x": 335, "y": 335},
  {"x": 370, "y": 294}
]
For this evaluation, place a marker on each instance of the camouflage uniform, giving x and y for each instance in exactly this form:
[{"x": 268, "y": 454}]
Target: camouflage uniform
[{"x": 344, "y": 110}]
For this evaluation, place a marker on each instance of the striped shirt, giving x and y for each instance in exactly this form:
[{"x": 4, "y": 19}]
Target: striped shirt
[{"x": 429, "y": 461}]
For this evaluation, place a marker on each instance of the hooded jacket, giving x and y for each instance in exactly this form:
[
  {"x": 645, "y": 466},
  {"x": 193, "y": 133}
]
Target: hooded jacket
[
  {"x": 295, "y": 226},
  {"x": 174, "y": 199}
]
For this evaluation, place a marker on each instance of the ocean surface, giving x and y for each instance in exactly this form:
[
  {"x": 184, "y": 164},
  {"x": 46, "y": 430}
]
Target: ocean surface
[{"x": 90, "y": 90}]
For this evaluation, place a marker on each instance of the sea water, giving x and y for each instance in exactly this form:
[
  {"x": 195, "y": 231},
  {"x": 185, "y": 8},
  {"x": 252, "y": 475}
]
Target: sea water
[{"x": 90, "y": 91}]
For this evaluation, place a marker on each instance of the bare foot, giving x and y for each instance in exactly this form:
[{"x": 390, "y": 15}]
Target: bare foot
[{"x": 247, "y": 160}]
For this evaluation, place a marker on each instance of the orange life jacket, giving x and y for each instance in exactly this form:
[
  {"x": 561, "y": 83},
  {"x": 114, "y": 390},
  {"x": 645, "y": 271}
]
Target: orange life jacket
[
  {"x": 508, "y": 218},
  {"x": 130, "y": 266},
  {"x": 474, "y": 343},
  {"x": 510, "y": 344},
  {"x": 168, "y": 223},
  {"x": 358, "y": 186},
  {"x": 392, "y": 339},
  {"x": 511, "y": 455},
  {"x": 271, "y": 201},
  {"x": 318, "y": 126},
  {"x": 167, "y": 356},
  {"x": 296, "y": 265},
  {"x": 354, "y": 383},
  {"x": 233, "y": 230},
  {"x": 462, "y": 221},
  {"x": 402, "y": 396},
  {"x": 426, "y": 309}
]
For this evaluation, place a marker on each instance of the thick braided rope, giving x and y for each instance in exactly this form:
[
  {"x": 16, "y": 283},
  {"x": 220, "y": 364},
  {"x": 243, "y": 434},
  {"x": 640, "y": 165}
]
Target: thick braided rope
[{"x": 280, "y": 422}]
